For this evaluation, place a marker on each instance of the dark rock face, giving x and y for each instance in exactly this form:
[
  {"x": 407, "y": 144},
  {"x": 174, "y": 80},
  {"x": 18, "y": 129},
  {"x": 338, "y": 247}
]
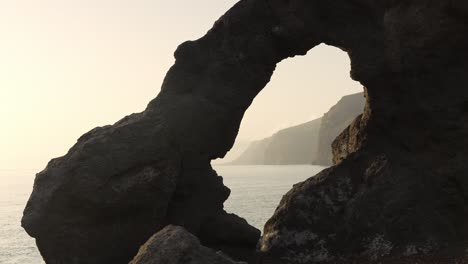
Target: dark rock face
[
  {"x": 230, "y": 234},
  {"x": 334, "y": 122},
  {"x": 293, "y": 145},
  {"x": 120, "y": 184},
  {"x": 399, "y": 186},
  {"x": 174, "y": 245}
]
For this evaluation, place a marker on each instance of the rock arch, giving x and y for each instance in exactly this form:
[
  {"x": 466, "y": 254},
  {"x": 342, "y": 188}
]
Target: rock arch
[{"x": 399, "y": 186}]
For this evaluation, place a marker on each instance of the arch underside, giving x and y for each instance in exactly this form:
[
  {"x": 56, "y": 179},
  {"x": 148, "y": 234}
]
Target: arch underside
[{"x": 399, "y": 184}]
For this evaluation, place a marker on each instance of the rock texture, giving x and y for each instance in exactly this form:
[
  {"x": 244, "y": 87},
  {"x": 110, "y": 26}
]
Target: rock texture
[
  {"x": 399, "y": 186},
  {"x": 120, "y": 184},
  {"x": 293, "y": 145},
  {"x": 174, "y": 245},
  {"x": 333, "y": 123}
]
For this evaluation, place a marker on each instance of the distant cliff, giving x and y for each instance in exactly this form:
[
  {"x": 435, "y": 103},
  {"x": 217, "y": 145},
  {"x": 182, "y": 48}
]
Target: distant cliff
[
  {"x": 294, "y": 145},
  {"x": 254, "y": 154},
  {"x": 306, "y": 143},
  {"x": 334, "y": 122}
]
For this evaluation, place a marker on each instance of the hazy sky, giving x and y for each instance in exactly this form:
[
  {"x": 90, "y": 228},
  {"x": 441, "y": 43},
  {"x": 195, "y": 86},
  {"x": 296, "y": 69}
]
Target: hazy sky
[{"x": 67, "y": 66}]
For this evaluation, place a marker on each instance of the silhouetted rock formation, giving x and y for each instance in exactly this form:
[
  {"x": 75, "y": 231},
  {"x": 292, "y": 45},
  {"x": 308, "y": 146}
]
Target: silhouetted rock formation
[
  {"x": 334, "y": 122},
  {"x": 174, "y": 245},
  {"x": 399, "y": 186},
  {"x": 293, "y": 145},
  {"x": 120, "y": 184}
]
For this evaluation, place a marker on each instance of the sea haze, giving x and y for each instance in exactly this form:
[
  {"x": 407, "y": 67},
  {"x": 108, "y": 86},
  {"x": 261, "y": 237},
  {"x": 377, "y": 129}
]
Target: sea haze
[{"x": 255, "y": 192}]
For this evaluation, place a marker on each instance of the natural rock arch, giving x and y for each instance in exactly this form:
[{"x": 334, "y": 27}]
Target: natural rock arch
[{"x": 399, "y": 164}]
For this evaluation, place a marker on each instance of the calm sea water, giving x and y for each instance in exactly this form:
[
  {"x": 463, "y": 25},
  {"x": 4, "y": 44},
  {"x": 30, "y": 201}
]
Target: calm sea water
[
  {"x": 255, "y": 193},
  {"x": 15, "y": 245},
  {"x": 257, "y": 190}
]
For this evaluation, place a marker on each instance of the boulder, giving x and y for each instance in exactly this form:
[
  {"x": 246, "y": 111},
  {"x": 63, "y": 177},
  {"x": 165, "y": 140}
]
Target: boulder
[
  {"x": 119, "y": 185},
  {"x": 175, "y": 245}
]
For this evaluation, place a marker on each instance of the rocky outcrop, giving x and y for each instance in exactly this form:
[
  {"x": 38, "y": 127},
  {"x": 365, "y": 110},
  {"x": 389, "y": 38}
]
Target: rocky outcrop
[
  {"x": 122, "y": 183},
  {"x": 293, "y": 145},
  {"x": 399, "y": 186},
  {"x": 174, "y": 245},
  {"x": 333, "y": 123}
]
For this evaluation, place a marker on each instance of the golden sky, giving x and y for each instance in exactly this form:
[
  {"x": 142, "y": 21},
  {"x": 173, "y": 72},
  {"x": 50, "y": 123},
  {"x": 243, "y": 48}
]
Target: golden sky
[{"x": 67, "y": 66}]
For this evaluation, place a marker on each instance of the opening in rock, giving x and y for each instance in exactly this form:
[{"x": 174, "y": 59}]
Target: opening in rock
[
  {"x": 286, "y": 134},
  {"x": 398, "y": 189}
]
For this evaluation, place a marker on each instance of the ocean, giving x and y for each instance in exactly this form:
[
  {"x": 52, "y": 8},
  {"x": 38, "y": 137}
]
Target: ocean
[
  {"x": 255, "y": 193},
  {"x": 15, "y": 245},
  {"x": 257, "y": 190}
]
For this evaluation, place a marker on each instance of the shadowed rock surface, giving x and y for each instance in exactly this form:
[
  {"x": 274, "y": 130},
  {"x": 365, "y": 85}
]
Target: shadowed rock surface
[
  {"x": 399, "y": 186},
  {"x": 333, "y": 123},
  {"x": 293, "y": 145},
  {"x": 174, "y": 245},
  {"x": 400, "y": 182}
]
